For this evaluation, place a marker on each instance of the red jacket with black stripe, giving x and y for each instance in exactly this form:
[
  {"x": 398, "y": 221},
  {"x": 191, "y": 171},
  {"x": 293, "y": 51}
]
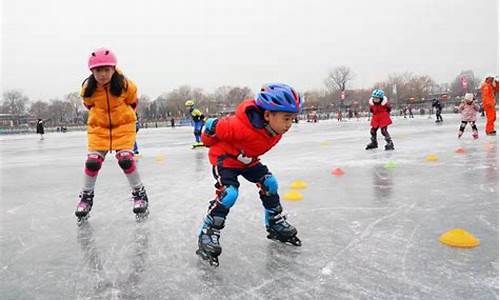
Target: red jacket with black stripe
[{"x": 239, "y": 140}]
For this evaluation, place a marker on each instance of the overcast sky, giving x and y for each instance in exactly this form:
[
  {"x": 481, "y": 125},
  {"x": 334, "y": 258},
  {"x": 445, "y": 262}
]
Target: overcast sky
[{"x": 208, "y": 43}]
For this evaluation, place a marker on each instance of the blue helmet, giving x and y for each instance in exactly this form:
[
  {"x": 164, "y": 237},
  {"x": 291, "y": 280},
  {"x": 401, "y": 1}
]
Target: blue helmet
[
  {"x": 378, "y": 94},
  {"x": 279, "y": 97}
]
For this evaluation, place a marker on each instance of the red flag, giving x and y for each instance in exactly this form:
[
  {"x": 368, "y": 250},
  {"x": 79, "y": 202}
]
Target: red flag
[{"x": 464, "y": 82}]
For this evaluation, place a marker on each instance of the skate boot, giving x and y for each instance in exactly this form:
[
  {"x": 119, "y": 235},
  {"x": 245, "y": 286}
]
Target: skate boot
[
  {"x": 209, "y": 248},
  {"x": 140, "y": 198},
  {"x": 475, "y": 134},
  {"x": 372, "y": 145},
  {"x": 279, "y": 229},
  {"x": 84, "y": 206},
  {"x": 198, "y": 144},
  {"x": 389, "y": 145}
]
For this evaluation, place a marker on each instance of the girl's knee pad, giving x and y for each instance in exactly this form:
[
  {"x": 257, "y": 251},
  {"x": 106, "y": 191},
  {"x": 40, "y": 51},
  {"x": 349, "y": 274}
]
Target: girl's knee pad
[
  {"x": 93, "y": 164},
  {"x": 126, "y": 161}
]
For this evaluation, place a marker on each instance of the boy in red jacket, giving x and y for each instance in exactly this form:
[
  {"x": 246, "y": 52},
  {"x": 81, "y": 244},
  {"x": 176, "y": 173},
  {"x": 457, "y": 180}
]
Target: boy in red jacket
[
  {"x": 380, "y": 109},
  {"x": 236, "y": 142}
]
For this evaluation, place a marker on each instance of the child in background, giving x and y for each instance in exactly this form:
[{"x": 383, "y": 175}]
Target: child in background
[
  {"x": 380, "y": 108},
  {"x": 198, "y": 120},
  {"x": 469, "y": 109}
]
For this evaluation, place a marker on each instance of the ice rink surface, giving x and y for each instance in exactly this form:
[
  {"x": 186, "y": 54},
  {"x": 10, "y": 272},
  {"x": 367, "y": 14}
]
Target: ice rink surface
[{"x": 369, "y": 234}]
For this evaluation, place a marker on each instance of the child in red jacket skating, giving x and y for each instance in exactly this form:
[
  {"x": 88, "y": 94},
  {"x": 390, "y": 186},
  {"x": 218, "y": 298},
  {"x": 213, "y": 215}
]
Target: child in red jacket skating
[
  {"x": 380, "y": 109},
  {"x": 236, "y": 142}
]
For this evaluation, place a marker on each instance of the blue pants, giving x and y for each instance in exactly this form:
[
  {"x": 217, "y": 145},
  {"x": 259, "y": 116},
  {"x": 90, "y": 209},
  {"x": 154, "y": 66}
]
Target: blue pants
[
  {"x": 198, "y": 126},
  {"x": 227, "y": 188}
]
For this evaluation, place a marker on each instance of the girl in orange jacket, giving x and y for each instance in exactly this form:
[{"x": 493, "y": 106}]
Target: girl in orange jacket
[
  {"x": 489, "y": 90},
  {"x": 111, "y": 99}
]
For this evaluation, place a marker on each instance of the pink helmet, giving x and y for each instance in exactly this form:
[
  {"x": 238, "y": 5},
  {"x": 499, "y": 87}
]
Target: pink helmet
[{"x": 102, "y": 57}]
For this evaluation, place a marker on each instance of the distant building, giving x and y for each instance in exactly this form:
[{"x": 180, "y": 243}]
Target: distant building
[{"x": 10, "y": 120}]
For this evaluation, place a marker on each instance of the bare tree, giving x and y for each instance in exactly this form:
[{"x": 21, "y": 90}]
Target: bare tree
[
  {"x": 14, "y": 102},
  {"x": 338, "y": 79},
  {"x": 60, "y": 111},
  {"x": 39, "y": 109},
  {"x": 143, "y": 105},
  {"x": 238, "y": 94},
  {"x": 407, "y": 85},
  {"x": 76, "y": 103},
  {"x": 221, "y": 93}
]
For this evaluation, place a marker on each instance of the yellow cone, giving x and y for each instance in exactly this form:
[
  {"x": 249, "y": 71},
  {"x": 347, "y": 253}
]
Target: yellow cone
[
  {"x": 459, "y": 238},
  {"x": 160, "y": 159},
  {"x": 298, "y": 185},
  {"x": 293, "y": 196},
  {"x": 432, "y": 157}
]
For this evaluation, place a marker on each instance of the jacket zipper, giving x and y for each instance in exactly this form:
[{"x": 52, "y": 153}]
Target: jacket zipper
[{"x": 109, "y": 118}]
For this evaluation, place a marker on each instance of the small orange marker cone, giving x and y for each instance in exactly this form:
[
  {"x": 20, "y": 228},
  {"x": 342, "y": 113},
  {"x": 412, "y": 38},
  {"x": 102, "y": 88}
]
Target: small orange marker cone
[
  {"x": 338, "y": 172},
  {"x": 460, "y": 150}
]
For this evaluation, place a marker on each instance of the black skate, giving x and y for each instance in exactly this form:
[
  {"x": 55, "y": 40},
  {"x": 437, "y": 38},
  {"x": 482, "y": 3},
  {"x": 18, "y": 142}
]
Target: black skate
[
  {"x": 280, "y": 230},
  {"x": 389, "y": 146},
  {"x": 84, "y": 207},
  {"x": 209, "y": 248},
  {"x": 372, "y": 145},
  {"x": 140, "y": 198}
]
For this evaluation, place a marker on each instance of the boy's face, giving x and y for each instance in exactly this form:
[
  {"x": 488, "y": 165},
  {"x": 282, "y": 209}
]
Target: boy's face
[
  {"x": 279, "y": 121},
  {"x": 103, "y": 74}
]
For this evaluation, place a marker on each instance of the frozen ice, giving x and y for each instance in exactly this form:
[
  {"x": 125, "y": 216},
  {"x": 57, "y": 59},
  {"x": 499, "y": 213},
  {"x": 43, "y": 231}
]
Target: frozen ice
[{"x": 372, "y": 233}]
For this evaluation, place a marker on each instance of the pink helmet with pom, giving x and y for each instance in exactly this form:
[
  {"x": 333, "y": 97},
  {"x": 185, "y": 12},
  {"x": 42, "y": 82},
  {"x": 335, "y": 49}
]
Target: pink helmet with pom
[{"x": 102, "y": 57}]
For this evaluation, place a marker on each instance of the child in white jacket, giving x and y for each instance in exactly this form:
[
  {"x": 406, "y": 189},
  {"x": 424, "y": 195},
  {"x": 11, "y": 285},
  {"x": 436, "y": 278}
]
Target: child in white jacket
[{"x": 469, "y": 109}]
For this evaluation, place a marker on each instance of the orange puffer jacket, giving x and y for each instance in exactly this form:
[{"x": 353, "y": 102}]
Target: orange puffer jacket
[{"x": 111, "y": 121}]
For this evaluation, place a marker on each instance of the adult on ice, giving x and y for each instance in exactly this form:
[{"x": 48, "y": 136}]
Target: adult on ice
[
  {"x": 380, "y": 109},
  {"x": 439, "y": 107},
  {"x": 198, "y": 120},
  {"x": 39, "y": 128},
  {"x": 236, "y": 142},
  {"x": 489, "y": 90},
  {"x": 111, "y": 99}
]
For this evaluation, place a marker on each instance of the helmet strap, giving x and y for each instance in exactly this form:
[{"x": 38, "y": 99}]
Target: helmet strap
[{"x": 270, "y": 130}]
